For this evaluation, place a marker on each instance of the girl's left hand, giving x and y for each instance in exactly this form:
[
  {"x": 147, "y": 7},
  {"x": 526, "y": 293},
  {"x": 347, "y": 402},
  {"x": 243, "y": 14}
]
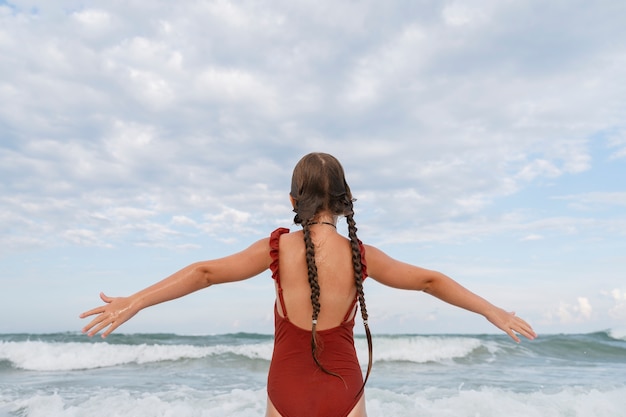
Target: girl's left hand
[{"x": 512, "y": 325}]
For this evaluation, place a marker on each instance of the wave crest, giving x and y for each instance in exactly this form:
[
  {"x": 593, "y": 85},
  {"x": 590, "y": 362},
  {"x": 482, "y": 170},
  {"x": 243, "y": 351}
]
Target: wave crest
[{"x": 52, "y": 356}]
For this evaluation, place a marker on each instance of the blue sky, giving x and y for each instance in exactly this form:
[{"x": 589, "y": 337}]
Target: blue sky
[{"x": 485, "y": 139}]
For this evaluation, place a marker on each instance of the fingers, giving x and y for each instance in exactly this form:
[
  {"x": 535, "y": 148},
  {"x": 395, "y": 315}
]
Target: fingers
[
  {"x": 113, "y": 326},
  {"x": 525, "y": 329},
  {"x": 97, "y": 310},
  {"x": 100, "y": 321},
  {"x": 519, "y": 326},
  {"x": 100, "y": 327},
  {"x": 513, "y": 336},
  {"x": 108, "y": 317},
  {"x": 512, "y": 325},
  {"x": 512, "y": 332},
  {"x": 91, "y": 312},
  {"x": 95, "y": 325}
]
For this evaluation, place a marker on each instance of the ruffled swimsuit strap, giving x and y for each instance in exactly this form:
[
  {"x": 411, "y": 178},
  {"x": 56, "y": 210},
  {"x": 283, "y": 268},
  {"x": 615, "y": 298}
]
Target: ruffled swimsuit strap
[{"x": 274, "y": 242}]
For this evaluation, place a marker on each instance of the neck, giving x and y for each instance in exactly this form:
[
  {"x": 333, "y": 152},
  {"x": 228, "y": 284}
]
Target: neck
[{"x": 323, "y": 222}]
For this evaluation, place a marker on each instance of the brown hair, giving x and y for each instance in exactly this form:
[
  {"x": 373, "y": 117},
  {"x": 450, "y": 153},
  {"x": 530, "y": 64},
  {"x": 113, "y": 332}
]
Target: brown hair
[{"x": 318, "y": 184}]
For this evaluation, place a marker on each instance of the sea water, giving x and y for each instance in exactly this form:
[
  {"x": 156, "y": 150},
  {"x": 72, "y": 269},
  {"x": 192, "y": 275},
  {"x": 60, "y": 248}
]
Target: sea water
[{"x": 69, "y": 374}]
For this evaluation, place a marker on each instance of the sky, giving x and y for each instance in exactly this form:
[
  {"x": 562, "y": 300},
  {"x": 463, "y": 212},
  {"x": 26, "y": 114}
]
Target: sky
[{"x": 483, "y": 139}]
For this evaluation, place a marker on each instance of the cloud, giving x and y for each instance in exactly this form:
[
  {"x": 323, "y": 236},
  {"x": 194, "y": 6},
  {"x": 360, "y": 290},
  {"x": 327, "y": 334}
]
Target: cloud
[
  {"x": 584, "y": 307},
  {"x": 538, "y": 168},
  {"x": 618, "y": 311},
  {"x": 457, "y": 14},
  {"x": 93, "y": 19},
  {"x": 532, "y": 237},
  {"x": 617, "y": 141},
  {"x": 175, "y": 125},
  {"x": 569, "y": 313},
  {"x": 191, "y": 108}
]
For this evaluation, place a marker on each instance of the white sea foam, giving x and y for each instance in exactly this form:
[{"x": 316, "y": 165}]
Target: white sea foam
[
  {"x": 52, "y": 356},
  {"x": 422, "y": 349},
  {"x": 184, "y": 402},
  {"x": 237, "y": 403},
  {"x": 491, "y": 402},
  {"x": 56, "y": 356},
  {"x": 531, "y": 380}
]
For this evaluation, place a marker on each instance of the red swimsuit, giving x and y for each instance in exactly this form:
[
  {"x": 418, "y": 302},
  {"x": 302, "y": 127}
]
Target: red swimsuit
[{"x": 296, "y": 385}]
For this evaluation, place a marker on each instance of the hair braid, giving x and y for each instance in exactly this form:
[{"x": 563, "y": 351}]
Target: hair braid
[
  {"x": 318, "y": 184},
  {"x": 315, "y": 294},
  {"x": 358, "y": 280},
  {"x": 312, "y": 272}
]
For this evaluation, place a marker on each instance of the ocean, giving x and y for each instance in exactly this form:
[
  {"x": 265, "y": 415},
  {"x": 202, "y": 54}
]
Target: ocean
[{"x": 135, "y": 375}]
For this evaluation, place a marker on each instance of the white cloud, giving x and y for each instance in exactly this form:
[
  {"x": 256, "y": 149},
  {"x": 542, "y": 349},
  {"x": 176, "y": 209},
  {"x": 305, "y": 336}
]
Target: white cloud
[
  {"x": 538, "y": 168},
  {"x": 230, "y": 13},
  {"x": 83, "y": 237},
  {"x": 165, "y": 123},
  {"x": 618, "y": 311},
  {"x": 375, "y": 76},
  {"x": 184, "y": 221},
  {"x": 457, "y": 14},
  {"x": 617, "y": 141},
  {"x": 93, "y": 18},
  {"x": 532, "y": 237},
  {"x": 235, "y": 86},
  {"x": 567, "y": 313},
  {"x": 584, "y": 307},
  {"x": 130, "y": 142},
  {"x": 618, "y": 295}
]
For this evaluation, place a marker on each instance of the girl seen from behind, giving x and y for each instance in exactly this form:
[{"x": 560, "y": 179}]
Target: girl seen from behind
[{"x": 318, "y": 275}]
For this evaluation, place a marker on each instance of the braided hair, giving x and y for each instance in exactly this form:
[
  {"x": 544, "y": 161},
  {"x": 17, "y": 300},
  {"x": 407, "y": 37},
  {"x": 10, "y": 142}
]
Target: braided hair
[{"x": 318, "y": 184}]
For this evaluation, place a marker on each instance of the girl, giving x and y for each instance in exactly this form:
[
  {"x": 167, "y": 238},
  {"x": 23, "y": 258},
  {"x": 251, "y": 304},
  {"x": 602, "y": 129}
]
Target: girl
[{"x": 318, "y": 275}]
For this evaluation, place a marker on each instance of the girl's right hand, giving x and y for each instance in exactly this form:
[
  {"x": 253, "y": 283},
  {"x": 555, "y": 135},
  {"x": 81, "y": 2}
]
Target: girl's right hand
[{"x": 113, "y": 314}]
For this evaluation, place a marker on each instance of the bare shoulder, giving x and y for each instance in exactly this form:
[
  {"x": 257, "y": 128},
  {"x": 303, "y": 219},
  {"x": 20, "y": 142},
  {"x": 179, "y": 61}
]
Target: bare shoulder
[
  {"x": 378, "y": 262},
  {"x": 292, "y": 235}
]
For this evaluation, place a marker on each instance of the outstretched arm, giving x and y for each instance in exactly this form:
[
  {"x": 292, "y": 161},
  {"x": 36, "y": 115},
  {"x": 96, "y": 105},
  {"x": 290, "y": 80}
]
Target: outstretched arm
[
  {"x": 393, "y": 273},
  {"x": 117, "y": 310}
]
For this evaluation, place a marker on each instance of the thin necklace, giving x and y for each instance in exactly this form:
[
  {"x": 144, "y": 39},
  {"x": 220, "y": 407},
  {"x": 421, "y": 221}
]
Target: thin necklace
[{"x": 330, "y": 224}]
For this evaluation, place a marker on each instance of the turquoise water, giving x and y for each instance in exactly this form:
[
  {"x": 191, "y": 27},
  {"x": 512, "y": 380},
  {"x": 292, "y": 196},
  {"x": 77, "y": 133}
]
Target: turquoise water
[{"x": 69, "y": 374}]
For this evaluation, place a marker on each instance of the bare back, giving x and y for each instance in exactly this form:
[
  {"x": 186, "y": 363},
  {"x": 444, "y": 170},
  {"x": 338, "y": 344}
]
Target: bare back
[{"x": 333, "y": 258}]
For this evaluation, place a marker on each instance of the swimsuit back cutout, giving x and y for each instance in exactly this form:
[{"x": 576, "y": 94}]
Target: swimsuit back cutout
[{"x": 296, "y": 386}]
